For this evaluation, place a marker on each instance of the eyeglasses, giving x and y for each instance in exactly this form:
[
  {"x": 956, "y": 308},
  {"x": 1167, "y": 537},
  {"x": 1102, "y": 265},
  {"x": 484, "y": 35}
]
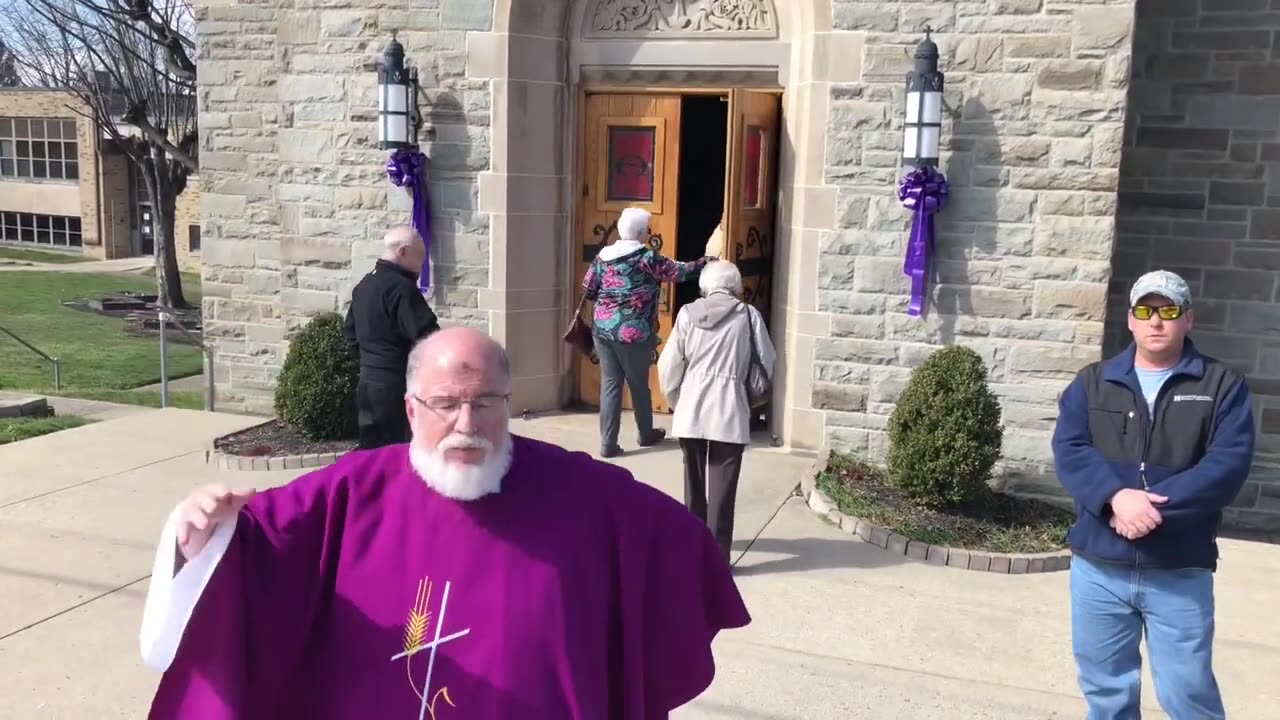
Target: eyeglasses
[
  {"x": 448, "y": 406},
  {"x": 1166, "y": 312}
]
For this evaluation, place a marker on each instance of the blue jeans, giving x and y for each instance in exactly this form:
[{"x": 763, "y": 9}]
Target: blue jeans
[{"x": 1111, "y": 606}]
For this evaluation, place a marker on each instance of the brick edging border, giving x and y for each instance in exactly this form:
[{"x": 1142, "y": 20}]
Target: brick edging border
[
  {"x": 245, "y": 463},
  {"x": 981, "y": 561},
  {"x": 250, "y": 463}
]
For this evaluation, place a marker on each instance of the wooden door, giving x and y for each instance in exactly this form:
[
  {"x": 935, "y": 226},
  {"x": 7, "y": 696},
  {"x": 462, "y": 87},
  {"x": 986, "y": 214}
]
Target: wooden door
[
  {"x": 751, "y": 195},
  {"x": 630, "y": 157}
]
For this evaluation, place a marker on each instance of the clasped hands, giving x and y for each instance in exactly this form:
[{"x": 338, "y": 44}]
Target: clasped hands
[{"x": 1134, "y": 514}]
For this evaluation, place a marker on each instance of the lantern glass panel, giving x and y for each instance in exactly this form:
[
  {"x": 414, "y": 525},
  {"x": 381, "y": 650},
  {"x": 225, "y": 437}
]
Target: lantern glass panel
[
  {"x": 394, "y": 97},
  {"x": 932, "y": 107},
  {"x": 929, "y": 143},
  {"x": 910, "y": 142}
]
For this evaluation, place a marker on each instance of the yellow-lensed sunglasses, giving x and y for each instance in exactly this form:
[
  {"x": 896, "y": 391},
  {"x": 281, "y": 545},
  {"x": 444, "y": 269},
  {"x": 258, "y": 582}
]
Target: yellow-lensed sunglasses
[{"x": 1166, "y": 312}]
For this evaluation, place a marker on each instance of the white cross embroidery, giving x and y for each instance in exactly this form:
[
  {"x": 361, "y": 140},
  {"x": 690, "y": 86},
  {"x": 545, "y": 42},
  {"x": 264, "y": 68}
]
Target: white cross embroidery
[{"x": 433, "y": 646}]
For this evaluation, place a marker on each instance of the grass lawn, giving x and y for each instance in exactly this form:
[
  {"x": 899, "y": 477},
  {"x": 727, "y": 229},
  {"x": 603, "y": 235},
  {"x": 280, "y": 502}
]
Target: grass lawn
[
  {"x": 993, "y": 522},
  {"x": 185, "y": 399},
  {"x": 15, "y": 429},
  {"x": 95, "y": 353},
  {"x": 190, "y": 283},
  {"x": 40, "y": 256}
]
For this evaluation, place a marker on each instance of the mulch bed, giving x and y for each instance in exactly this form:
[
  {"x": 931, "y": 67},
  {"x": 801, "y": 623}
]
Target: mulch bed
[
  {"x": 274, "y": 438},
  {"x": 994, "y": 522}
]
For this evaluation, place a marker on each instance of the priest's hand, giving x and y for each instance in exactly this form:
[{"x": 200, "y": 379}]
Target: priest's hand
[{"x": 202, "y": 511}]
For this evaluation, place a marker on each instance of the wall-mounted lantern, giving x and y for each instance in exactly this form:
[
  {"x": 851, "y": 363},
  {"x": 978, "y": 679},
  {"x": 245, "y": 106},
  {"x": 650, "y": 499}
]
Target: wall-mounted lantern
[
  {"x": 922, "y": 123},
  {"x": 399, "y": 116},
  {"x": 924, "y": 190}
]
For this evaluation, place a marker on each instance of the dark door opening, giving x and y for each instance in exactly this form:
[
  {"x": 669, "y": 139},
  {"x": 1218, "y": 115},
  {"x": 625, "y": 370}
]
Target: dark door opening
[{"x": 704, "y": 138}]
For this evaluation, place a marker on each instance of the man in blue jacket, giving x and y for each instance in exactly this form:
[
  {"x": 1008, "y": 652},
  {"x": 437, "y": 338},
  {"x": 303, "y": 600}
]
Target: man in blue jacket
[{"x": 1152, "y": 445}]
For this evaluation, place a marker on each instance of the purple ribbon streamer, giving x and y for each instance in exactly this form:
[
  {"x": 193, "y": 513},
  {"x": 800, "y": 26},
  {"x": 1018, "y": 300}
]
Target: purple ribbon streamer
[
  {"x": 923, "y": 191},
  {"x": 408, "y": 168}
]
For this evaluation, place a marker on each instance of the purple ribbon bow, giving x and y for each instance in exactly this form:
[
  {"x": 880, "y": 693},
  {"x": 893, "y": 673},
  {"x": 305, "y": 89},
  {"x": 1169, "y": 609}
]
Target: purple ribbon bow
[
  {"x": 408, "y": 168},
  {"x": 924, "y": 192}
]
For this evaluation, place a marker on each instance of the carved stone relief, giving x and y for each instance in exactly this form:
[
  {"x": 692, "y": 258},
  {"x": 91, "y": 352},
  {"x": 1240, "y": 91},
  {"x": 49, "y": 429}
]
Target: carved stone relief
[{"x": 680, "y": 18}]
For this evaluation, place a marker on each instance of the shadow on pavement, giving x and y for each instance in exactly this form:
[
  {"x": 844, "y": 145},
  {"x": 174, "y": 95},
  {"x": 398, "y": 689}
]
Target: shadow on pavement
[{"x": 804, "y": 554}]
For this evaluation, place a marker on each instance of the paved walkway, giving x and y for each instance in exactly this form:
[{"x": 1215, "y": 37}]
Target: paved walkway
[
  {"x": 841, "y": 629},
  {"x": 121, "y": 265}
]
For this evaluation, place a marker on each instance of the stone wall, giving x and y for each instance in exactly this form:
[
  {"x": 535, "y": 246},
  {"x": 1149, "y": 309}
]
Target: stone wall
[
  {"x": 295, "y": 198},
  {"x": 1036, "y": 93},
  {"x": 1202, "y": 148}
]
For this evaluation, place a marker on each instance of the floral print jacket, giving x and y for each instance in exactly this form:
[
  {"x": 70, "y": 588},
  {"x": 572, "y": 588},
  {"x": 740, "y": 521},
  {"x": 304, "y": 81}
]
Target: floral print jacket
[{"x": 625, "y": 292}]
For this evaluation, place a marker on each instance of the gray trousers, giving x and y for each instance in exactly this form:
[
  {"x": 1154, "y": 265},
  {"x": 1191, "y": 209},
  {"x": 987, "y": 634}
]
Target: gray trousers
[
  {"x": 711, "y": 471},
  {"x": 624, "y": 361}
]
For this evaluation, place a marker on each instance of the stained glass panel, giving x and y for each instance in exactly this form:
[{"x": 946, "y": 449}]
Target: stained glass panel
[{"x": 631, "y": 155}]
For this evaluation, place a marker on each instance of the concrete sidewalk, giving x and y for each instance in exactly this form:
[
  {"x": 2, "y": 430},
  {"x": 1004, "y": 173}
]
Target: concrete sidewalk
[{"x": 841, "y": 629}]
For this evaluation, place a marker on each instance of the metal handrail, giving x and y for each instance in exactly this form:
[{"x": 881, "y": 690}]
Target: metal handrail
[
  {"x": 57, "y": 366},
  {"x": 163, "y": 312}
]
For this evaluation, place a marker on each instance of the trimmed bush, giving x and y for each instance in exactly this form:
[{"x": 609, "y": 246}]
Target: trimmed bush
[
  {"x": 316, "y": 392},
  {"x": 945, "y": 433}
]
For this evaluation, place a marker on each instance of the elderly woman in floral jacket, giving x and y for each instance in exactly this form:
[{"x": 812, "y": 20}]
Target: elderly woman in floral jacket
[
  {"x": 703, "y": 370},
  {"x": 623, "y": 283}
]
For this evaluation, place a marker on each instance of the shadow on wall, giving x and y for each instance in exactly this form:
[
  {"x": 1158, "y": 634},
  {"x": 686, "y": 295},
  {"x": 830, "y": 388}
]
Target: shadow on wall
[
  {"x": 968, "y": 227},
  {"x": 460, "y": 235}
]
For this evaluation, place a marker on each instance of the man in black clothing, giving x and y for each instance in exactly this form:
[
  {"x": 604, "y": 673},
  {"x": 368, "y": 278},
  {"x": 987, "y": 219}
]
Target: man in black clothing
[{"x": 387, "y": 316}]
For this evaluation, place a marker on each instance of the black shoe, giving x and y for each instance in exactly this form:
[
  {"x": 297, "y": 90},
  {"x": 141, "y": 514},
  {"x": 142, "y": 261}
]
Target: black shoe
[
  {"x": 656, "y": 436},
  {"x": 611, "y": 451}
]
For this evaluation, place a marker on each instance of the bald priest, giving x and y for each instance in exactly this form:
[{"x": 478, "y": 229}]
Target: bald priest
[{"x": 468, "y": 575}]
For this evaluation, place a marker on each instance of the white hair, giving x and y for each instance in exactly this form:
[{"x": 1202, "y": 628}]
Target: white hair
[
  {"x": 633, "y": 223},
  {"x": 720, "y": 275}
]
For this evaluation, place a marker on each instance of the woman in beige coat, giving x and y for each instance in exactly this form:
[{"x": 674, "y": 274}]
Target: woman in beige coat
[{"x": 703, "y": 370}]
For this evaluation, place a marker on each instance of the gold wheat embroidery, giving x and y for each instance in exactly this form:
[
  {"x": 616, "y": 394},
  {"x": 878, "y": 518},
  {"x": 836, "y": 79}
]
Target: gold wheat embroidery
[
  {"x": 415, "y": 629},
  {"x": 415, "y": 636}
]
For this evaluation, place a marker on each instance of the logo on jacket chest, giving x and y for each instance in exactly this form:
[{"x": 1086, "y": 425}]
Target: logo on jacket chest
[{"x": 1193, "y": 398}]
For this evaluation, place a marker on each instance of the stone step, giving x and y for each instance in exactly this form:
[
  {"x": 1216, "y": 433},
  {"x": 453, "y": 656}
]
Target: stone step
[{"x": 25, "y": 406}]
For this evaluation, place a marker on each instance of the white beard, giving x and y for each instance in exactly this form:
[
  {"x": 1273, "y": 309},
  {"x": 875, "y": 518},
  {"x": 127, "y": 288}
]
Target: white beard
[{"x": 459, "y": 481}]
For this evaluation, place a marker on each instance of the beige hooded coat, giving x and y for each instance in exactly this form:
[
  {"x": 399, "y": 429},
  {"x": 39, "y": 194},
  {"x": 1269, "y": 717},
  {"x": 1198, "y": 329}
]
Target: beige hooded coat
[{"x": 704, "y": 364}]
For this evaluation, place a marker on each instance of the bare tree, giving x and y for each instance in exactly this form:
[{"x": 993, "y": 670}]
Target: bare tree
[
  {"x": 8, "y": 67},
  {"x": 129, "y": 63}
]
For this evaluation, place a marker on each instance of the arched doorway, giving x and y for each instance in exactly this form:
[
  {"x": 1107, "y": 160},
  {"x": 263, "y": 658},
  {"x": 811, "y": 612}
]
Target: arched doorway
[{"x": 552, "y": 59}]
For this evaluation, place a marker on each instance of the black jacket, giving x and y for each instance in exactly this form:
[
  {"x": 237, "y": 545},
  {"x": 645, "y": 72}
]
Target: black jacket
[
  {"x": 387, "y": 316},
  {"x": 1197, "y": 453}
]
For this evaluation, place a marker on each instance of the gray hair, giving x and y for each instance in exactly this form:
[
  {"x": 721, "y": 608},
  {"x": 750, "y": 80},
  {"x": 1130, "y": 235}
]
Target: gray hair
[{"x": 720, "y": 275}]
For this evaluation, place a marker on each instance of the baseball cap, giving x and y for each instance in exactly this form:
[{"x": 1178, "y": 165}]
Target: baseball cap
[{"x": 1163, "y": 283}]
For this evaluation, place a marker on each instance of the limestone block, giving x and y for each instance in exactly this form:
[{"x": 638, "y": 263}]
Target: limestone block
[
  {"x": 306, "y": 146},
  {"x": 1038, "y": 47},
  {"x": 874, "y": 17},
  {"x": 303, "y": 28},
  {"x": 868, "y": 352},
  {"x": 1061, "y": 203},
  {"x": 1102, "y": 28},
  {"x": 989, "y": 302},
  {"x": 1088, "y": 238},
  {"x": 978, "y": 53},
  {"x": 1084, "y": 107},
  {"x": 1001, "y": 96},
  {"x": 983, "y": 205},
  {"x": 466, "y": 14},
  {"x": 870, "y": 327},
  {"x": 308, "y": 301},
  {"x": 1051, "y": 360},
  {"x": 1012, "y": 151},
  {"x": 1016, "y": 7},
  {"x": 1002, "y": 239},
  {"x": 1024, "y": 272},
  {"x": 1068, "y": 178},
  {"x": 310, "y": 88},
  {"x": 1071, "y": 301},
  {"x": 215, "y": 205},
  {"x": 847, "y": 398},
  {"x": 347, "y": 23},
  {"x": 939, "y": 16}
]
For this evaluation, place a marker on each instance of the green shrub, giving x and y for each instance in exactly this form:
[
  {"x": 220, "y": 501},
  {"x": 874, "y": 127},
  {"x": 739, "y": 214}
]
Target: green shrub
[
  {"x": 945, "y": 433},
  {"x": 316, "y": 392}
]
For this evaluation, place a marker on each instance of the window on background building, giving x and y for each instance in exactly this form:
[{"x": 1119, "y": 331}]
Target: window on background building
[
  {"x": 39, "y": 149},
  {"x": 193, "y": 238},
  {"x": 50, "y": 230}
]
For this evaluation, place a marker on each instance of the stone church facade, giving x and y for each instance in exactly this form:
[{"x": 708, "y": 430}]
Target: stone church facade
[{"x": 1086, "y": 141}]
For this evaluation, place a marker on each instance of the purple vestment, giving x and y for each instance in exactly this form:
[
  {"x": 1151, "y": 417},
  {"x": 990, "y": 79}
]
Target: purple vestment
[{"x": 357, "y": 591}]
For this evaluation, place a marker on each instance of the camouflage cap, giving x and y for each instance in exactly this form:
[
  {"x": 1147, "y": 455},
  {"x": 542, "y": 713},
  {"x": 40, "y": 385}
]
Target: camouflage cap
[{"x": 1163, "y": 283}]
